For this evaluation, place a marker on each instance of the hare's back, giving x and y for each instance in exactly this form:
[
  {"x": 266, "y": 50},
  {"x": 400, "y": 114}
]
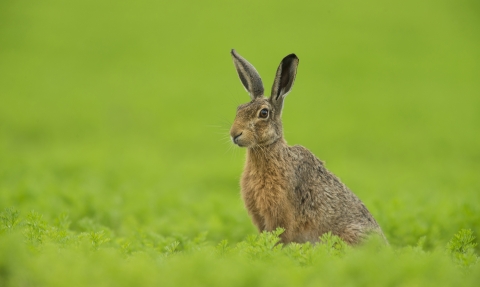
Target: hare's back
[{"x": 320, "y": 193}]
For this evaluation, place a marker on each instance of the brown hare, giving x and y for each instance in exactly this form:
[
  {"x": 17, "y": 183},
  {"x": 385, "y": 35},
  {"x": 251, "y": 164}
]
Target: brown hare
[{"x": 287, "y": 186}]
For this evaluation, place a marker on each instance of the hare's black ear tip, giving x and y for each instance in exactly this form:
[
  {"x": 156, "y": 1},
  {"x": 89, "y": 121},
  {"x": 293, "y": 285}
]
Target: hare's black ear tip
[
  {"x": 292, "y": 57},
  {"x": 233, "y": 52}
]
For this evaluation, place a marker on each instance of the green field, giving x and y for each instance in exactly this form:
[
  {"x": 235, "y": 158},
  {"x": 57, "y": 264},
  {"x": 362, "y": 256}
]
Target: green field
[{"x": 116, "y": 167}]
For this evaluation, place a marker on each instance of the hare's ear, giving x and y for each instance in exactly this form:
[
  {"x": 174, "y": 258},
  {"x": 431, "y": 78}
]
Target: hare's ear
[
  {"x": 248, "y": 75},
  {"x": 284, "y": 80}
]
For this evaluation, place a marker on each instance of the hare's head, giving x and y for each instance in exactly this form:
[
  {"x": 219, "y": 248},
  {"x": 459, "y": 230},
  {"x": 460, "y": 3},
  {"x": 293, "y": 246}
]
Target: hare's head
[{"x": 258, "y": 123}]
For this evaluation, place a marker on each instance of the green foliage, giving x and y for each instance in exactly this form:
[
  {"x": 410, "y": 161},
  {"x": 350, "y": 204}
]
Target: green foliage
[
  {"x": 9, "y": 219},
  {"x": 462, "y": 248},
  {"x": 116, "y": 167},
  {"x": 261, "y": 246},
  {"x": 333, "y": 244},
  {"x": 35, "y": 228},
  {"x": 33, "y": 242}
]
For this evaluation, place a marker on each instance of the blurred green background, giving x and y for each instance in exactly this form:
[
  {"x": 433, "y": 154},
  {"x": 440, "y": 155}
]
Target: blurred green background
[{"x": 118, "y": 112}]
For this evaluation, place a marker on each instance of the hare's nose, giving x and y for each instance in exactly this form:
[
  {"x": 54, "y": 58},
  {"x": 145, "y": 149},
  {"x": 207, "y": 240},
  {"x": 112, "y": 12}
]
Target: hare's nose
[{"x": 235, "y": 138}]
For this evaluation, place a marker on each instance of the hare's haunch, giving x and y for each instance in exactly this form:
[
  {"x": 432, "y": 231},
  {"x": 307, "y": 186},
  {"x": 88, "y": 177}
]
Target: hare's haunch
[{"x": 287, "y": 186}]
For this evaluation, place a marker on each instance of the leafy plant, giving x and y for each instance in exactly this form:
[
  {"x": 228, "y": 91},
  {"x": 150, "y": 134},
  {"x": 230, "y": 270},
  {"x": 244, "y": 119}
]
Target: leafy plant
[
  {"x": 8, "y": 220},
  {"x": 462, "y": 248}
]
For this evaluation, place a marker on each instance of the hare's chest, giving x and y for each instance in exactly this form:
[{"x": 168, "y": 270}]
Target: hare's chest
[{"x": 265, "y": 194}]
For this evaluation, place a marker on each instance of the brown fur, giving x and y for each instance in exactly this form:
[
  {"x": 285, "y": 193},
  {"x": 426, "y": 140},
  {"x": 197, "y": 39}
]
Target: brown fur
[{"x": 287, "y": 186}]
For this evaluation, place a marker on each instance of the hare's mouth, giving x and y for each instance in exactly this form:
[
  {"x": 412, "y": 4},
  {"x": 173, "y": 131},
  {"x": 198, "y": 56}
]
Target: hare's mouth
[
  {"x": 240, "y": 144},
  {"x": 240, "y": 141}
]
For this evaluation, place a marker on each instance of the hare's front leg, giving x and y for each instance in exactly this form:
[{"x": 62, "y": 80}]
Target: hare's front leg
[
  {"x": 282, "y": 221},
  {"x": 258, "y": 220}
]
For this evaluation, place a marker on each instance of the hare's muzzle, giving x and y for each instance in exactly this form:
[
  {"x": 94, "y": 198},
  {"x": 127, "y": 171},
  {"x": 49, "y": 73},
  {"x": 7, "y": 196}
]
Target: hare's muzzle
[{"x": 235, "y": 138}]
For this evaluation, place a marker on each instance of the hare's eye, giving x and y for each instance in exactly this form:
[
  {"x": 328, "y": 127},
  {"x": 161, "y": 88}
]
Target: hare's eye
[{"x": 263, "y": 113}]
